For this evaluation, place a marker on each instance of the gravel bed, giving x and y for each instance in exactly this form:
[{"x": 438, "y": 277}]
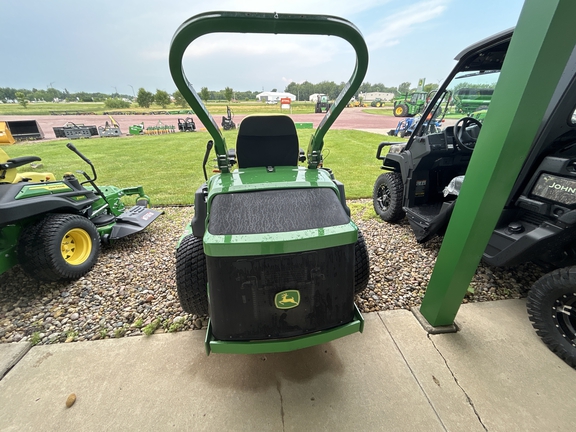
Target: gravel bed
[{"x": 131, "y": 291}]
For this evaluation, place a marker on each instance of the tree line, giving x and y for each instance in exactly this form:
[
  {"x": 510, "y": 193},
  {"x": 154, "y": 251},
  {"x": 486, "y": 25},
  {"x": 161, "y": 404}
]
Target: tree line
[
  {"x": 51, "y": 94},
  {"x": 145, "y": 98},
  {"x": 332, "y": 90}
]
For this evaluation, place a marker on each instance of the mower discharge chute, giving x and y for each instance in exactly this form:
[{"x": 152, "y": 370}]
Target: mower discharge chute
[
  {"x": 53, "y": 228},
  {"x": 271, "y": 253}
]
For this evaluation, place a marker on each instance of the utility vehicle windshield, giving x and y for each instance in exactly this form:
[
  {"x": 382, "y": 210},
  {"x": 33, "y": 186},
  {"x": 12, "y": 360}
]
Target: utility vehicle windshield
[{"x": 468, "y": 95}]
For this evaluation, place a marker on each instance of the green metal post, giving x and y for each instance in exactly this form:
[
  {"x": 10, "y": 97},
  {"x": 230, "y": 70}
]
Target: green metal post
[{"x": 539, "y": 50}]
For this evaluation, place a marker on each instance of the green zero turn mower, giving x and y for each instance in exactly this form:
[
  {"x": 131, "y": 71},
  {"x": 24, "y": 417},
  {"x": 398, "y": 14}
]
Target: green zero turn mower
[
  {"x": 53, "y": 228},
  {"x": 271, "y": 253}
]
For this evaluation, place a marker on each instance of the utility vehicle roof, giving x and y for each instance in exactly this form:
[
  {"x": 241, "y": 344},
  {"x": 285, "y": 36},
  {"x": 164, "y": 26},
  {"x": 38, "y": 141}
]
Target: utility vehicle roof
[{"x": 487, "y": 54}]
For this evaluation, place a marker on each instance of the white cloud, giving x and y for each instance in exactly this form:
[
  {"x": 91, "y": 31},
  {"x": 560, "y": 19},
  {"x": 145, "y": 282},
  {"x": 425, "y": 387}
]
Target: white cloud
[
  {"x": 334, "y": 7},
  {"x": 405, "y": 22}
]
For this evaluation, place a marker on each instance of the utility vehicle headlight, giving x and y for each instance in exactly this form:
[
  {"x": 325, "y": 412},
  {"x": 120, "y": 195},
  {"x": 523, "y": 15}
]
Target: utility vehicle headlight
[{"x": 397, "y": 148}]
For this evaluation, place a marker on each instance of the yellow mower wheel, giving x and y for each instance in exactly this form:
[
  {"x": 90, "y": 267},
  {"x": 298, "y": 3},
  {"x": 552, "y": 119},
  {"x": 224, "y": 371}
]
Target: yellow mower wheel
[
  {"x": 76, "y": 246},
  {"x": 59, "y": 247}
]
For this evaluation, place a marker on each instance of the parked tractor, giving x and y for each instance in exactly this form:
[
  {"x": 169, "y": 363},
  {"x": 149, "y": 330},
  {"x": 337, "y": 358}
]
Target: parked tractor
[
  {"x": 406, "y": 127},
  {"x": 410, "y": 105},
  {"x": 322, "y": 104},
  {"x": 355, "y": 103},
  {"x": 538, "y": 224}
]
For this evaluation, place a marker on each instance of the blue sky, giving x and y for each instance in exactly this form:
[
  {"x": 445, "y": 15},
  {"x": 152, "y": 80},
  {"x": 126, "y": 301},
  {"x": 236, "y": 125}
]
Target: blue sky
[{"x": 109, "y": 46}]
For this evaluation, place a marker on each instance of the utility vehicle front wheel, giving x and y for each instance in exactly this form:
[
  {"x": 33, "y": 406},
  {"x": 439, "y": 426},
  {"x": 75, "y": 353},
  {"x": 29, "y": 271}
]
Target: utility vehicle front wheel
[
  {"x": 59, "y": 247},
  {"x": 191, "y": 276},
  {"x": 362, "y": 266},
  {"x": 552, "y": 310},
  {"x": 387, "y": 197}
]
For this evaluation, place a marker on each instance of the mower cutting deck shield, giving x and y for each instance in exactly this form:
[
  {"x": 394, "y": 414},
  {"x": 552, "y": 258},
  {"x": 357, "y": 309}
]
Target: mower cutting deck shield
[{"x": 271, "y": 254}]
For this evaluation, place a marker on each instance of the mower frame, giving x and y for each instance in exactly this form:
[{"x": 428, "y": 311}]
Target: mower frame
[{"x": 284, "y": 177}]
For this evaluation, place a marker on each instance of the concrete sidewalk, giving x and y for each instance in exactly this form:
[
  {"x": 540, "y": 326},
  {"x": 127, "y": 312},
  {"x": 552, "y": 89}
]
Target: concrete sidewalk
[{"x": 495, "y": 374}]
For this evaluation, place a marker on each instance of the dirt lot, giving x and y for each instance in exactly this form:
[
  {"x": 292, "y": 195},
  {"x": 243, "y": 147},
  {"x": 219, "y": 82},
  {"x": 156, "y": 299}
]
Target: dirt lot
[{"x": 351, "y": 118}]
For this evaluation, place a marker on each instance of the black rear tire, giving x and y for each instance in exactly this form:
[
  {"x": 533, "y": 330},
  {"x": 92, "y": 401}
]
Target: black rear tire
[
  {"x": 191, "y": 276},
  {"x": 362, "y": 266},
  {"x": 59, "y": 247},
  {"x": 387, "y": 197},
  {"x": 552, "y": 310}
]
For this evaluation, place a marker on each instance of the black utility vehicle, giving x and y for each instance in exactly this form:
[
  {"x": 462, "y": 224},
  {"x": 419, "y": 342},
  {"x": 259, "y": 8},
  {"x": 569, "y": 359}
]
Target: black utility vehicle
[{"x": 538, "y": 223}]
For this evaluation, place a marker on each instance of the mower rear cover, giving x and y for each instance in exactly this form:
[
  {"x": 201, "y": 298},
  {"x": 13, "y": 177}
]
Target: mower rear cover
[{"x": 271, "y": 254}]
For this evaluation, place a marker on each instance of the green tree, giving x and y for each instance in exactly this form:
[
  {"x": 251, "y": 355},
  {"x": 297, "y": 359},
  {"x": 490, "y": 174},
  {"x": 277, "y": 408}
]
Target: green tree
[
  {"x": 474, "y": 85},
  {"x": 162, "y": 98},
  {"x": 52, "y": 94},
  {"x": 404, "y": 88},
  {"x": 179, "y": 99},
  {"x": 294, "y": 89},
  {"x": 204, "y": 94},
  {"x": 305, "y": 90},
  {"x": 144, "y": 98},
  {"x": 21, "y": 99},
  {"x": 113, "y": 103},
  {"x": 228, "y": 93},
  {"x": 429, "y": 87},
  {"x": 365, "y": 87}
]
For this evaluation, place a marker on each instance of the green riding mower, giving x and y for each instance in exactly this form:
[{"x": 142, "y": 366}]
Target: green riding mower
[
  {"x": 271, "y": 254},
  {"x": 53, "y": 228},
  {"x": 538, "y": 224}
]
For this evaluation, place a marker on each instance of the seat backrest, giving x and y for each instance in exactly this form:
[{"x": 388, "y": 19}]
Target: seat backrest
[
  {"x": 267, "y": 140},
  {"x": 11, "y": 175},
  {"x": 6, "y": 175}
]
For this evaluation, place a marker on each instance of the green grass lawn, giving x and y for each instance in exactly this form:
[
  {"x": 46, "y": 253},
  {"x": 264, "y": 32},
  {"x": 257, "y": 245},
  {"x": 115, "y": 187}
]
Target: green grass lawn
[
  {"x": 215, "y": 108},
  {"x": 46, "y": 108},
  {"x": 170, "y": 166}
]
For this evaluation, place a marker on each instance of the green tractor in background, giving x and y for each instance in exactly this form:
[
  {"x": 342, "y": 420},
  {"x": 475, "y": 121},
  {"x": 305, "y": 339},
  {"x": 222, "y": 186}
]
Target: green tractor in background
[
  {"x": 322, "y": 104},
  {"x": 410, "y": 107},
  {"x": 53, "y": 228},
  {"x": 411, "y": 104},
  {"x": 271, "y": 254}
]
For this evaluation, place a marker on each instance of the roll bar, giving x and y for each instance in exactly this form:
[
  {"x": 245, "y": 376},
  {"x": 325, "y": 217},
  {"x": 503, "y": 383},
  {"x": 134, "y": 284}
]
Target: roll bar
[{"x": 273, "y": 23}]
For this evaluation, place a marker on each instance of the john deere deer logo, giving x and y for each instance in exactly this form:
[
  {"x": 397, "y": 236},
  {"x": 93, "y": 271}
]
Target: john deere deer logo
[{"x": 287, "y": 299}]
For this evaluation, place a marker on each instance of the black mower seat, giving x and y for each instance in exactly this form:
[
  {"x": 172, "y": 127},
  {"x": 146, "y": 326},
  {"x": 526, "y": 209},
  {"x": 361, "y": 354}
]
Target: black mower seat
[{"x": 269, "y": 140}]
